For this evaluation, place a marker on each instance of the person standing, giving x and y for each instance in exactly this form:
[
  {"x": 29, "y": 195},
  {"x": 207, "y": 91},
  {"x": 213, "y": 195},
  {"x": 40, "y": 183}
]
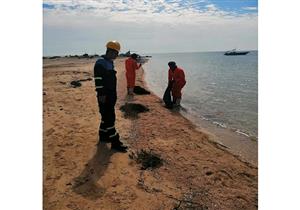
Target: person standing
[
  {"x": 106, "y": 88},
  {"x": 131, "y": 66},
  {"x": 176, "y": 82}
]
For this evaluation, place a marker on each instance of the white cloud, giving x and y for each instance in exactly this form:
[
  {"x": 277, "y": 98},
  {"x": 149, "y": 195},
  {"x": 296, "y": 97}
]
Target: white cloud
[
  {"x": 211, "y": 7},
  {"x": 249, "y": 8},
  {"x": 143, "y": 11},
  {"x": 151, "y": 26}
]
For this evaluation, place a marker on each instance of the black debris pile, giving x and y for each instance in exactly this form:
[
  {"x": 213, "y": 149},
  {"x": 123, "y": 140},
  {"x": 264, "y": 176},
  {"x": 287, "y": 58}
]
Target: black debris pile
[
  {"x": 77, "y": 83},
  {"x": 133, "y": 109},
  {"x": 147, "y": 159},
  {"x": 140, "y": 91}
]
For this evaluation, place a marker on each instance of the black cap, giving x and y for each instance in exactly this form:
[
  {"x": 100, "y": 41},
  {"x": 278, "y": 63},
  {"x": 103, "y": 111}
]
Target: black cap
[{"x": 172, "y": 63}]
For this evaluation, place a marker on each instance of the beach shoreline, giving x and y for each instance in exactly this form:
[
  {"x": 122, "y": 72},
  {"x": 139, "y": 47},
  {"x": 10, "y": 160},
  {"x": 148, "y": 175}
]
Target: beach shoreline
[
  {"x": 78, "y": 174},
  {"x": 238, "y": 144}
]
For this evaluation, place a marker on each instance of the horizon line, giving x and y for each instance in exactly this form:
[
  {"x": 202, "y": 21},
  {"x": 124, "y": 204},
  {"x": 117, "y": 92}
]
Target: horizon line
[{"x": 67, "y": 54}]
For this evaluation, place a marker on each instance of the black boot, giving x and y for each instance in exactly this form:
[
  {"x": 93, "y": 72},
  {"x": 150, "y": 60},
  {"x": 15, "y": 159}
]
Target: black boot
[{"x": 117, "y": 145}]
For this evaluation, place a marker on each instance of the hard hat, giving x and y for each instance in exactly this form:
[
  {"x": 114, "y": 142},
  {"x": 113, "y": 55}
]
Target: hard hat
[{"x": 113, "y": 45}]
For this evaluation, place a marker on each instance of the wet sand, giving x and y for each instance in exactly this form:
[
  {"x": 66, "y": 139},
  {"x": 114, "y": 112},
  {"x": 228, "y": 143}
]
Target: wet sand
[
  {"x": 243, "y": 146},
  {"x": 196, "y": 172}
]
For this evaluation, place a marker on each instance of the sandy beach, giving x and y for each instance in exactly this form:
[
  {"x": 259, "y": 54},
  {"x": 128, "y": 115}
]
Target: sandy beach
[{"x": 196, "y": 173}]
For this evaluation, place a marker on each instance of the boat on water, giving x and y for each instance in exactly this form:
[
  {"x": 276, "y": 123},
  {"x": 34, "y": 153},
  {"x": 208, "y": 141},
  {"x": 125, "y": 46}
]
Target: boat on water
[
  {"x": 140, "y": 58},
  {"x": 234, "y": 52},
  {"x": 143, "y": 59}
]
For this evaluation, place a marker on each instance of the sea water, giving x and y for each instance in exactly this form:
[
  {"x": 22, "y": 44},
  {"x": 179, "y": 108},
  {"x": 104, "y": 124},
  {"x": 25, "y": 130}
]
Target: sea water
[{"x": 222, "y": 90}]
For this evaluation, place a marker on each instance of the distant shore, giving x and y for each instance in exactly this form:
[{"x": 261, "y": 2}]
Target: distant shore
[{"x": 77, "y": 174}]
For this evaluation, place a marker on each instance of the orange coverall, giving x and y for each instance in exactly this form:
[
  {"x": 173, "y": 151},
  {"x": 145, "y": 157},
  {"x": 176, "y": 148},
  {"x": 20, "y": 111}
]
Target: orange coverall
[
  {"x": 131, "y": 66},
  {"x": 178, "y": 79}
]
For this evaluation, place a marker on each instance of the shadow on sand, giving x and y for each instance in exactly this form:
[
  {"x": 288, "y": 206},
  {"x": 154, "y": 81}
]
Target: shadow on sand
[{"x": 86, "y": 183}]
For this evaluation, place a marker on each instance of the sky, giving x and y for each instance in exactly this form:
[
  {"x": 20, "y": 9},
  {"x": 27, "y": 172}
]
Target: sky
[{"x": 149, "y": 26}]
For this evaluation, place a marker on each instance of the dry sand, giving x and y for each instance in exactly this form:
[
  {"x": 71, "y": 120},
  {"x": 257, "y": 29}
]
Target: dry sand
[{"x": 196, "y": 172}]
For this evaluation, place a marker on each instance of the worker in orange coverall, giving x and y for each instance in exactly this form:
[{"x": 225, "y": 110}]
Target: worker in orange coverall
[
  {"x": 176, "y": 82},
  {"x": 131, "y": 66}
]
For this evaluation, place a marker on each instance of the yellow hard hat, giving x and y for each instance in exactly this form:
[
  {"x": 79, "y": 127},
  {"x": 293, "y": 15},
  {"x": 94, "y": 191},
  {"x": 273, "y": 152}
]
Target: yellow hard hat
[{"x": 113, "y": 45}]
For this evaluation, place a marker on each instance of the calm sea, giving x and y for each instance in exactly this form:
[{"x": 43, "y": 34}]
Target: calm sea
[{"x": 221, "y": 90}]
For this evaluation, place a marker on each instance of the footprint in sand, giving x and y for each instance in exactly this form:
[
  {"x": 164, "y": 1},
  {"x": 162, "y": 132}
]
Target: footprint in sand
[
  {"x": 247, "y": 176},
  {"x": 49, "y": 131},
  {"x": 72, "y": 206}
]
